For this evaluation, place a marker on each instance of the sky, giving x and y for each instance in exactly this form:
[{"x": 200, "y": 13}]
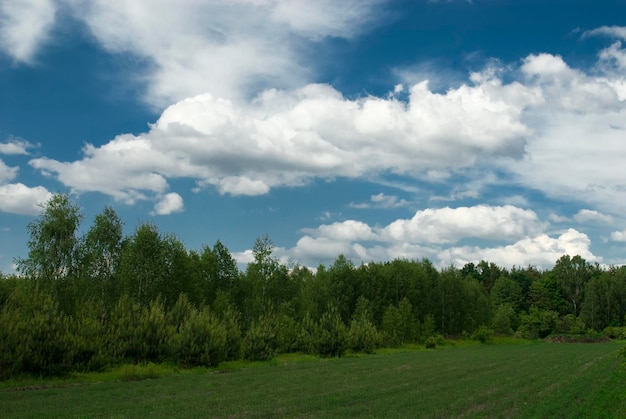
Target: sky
[{"x": 454, "y": 130}]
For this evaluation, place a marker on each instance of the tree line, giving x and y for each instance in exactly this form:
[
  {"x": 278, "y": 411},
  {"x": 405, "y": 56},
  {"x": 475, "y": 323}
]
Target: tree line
[{"x": 86, "y": 302}]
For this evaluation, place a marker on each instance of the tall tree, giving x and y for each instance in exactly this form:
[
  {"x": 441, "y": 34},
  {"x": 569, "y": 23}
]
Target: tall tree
[
  {"x": 53, "y": 244},
  {"x": 572, "y": 275},
  {"x": 101, "y": 252},
  {"x": 142, "y": 267}
]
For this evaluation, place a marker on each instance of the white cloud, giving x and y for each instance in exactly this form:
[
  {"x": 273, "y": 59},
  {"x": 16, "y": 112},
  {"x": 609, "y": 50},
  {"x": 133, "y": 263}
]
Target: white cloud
[
  {"x": 20, "y": 199},
  {"x": 286, "y": 138},
  {"x": 15, "y": 146},
  {"x": 349, "y": 230},
  {"x": 578, "y": 149},
  {"x": 226, "y": 47},
  {"x": 527, "y": 246},
  {"x": 567, "y": 89},
  {"x": 449, "y": 225},
  {"x": 610, "y": 31},
  {"x": 381, "y": 201},
  {"x": 241, "y": 185},
  {"x": 586, "y": 215},
  {"x": 169, "y": 203},
  {"x": 123, "y": 168},
  {"x": 24, "y": 26},
  {"x": 618, "y": 236},
  {"x": 7, "y": 173},
  {"x": 542, "y": 251},
  {"x": 516, "y": 200},
  {"x": 556, "y": 218}
]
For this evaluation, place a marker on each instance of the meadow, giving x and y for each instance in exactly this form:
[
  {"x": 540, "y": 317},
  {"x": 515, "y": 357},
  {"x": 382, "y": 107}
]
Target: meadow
[{"x": 509, "y": 380}]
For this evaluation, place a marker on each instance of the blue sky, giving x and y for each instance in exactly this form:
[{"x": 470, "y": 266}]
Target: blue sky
[{"x": 451, "y": 130}]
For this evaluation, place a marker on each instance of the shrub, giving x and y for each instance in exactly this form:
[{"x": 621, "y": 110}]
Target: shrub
[
  {"x": 537, "y": 323},
  {"x": 306, "y": 335},
  {"x": 431, "y": 342},
  {"x": 201, "y": 340},
  {"x": 363, "y": 336},
  {"x": 504, "y": 319},
  {"x": 392, "y": 326},
  {"x": 615, "y": 332},
  {"x": 88, "y": 340},
  {"x": 331, "y": 336},
  {"x": 44, "y": 340},
  {"x": 428, "y": 327},
  {"x": 483, "y": 334},
  {"x": 260, "y": 343}
]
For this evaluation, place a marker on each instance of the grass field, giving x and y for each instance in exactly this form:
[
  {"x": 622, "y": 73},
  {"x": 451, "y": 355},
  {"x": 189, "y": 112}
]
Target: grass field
[{"x": 538, "y": 380}]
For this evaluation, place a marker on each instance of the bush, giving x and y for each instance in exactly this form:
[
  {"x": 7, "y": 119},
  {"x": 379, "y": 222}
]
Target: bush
[
  {"x": 331, "y": 336},
  {"x": 88, "y": 340},
  {"x": 43, "y": 339},
  {"x": 201, "y": 340},
  {"x": 431, "y": 342},
  {"x": 483, "y": 334},
  {"x": 260, "y": 342},
  {"x": 570, "y": 324},
  {"x": 363, "y": 336},
  {"x": 537, "y": 323},
  {"x": 306, "y": 335},
  {"x": 428, "y": 327},
  {"x": 615, "y": 332},
  {"x": 504, "y": 320}
]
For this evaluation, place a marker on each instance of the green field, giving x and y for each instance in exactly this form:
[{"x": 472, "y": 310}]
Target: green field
[{"x": 506, "y": 380}]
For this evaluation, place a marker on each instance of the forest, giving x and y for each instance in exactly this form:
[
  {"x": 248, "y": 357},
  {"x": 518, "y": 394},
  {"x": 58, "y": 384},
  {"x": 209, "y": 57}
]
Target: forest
[{"x": 91, "y": 301}]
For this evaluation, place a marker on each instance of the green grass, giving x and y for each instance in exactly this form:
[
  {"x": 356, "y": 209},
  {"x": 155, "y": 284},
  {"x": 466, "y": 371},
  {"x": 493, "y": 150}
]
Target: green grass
[{"x": 535, "y": 380}]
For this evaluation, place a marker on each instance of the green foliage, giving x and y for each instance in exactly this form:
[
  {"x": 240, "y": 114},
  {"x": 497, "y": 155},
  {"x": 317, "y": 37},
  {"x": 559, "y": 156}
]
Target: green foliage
[
  {"x": 537, "y": 323},
  {"x": 363, "y": 336},
  {"x": 100, "y": 300},
  {"x": 484, "y": 334},
  {"x": 36, "y": 335},
  {"x": 88, "y": 336},
  {"x": 306, "y": 335},
  {"x": 392, "y": 325},
  {"x": 429, "y": 328},
  {"x": 53, "y": 244},
  {"x": 504, "y": 320},
  {"x": 260, "y": 342},
  {"x": 432, "y": 341},
  {"x": 331, "y": 339},
  {"x": 615, "y": 332},
  {"x": 201, "y": 340},
  {"x": 570, "y": 324},
  {"x": 123, "y": 342},
  {"x": 506, "y": 291}
]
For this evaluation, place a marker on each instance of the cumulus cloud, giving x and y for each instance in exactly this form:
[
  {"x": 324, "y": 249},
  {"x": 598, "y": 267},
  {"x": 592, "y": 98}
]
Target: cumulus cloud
[
  {"x": 15, "y": 146},
  {"x": 541, "y": 250},
  {"x": 24, "y": 26},
  {"x": 449, "y": 225},
  {"x": 433, "y": 233},
  {"x": 169, "y": 203},
  {"x": 576, "y": 150},
  {"x": 20, "y": 199},
  {"x": 618, "y": 236},
  {"x": 587, "y": 215},
  {"x": 7, "y": 173},
  {"x": 287, "y": 138}
]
